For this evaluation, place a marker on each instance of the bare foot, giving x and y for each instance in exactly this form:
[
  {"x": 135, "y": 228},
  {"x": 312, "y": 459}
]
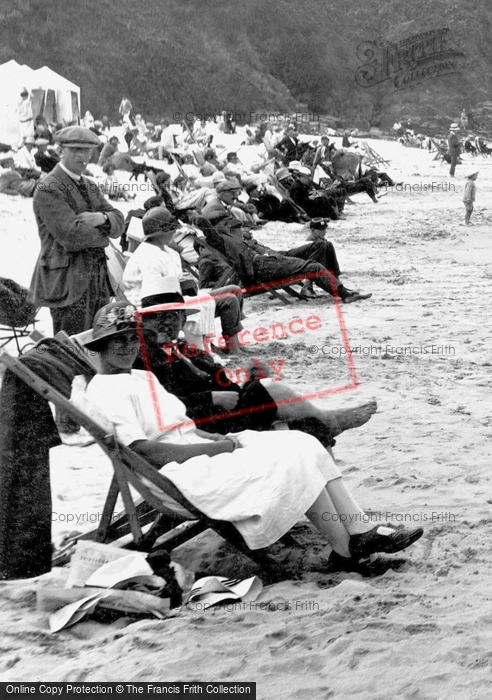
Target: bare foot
[{"x": 348, "y": 418}]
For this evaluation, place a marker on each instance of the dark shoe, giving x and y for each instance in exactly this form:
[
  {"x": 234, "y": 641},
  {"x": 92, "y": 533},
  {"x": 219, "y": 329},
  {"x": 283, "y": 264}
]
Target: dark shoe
[
  {"x": 308, "y": 291},
  {"x": 365, "y": 566},
  {"x": 355, "y": 296},
  {"x": 383, "y": 539}
]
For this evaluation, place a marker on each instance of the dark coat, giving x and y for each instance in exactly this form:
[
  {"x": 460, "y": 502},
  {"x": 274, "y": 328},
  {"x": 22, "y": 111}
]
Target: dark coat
[
  {"x": 454, "y": 146},
  {"x": 70, "y": 249}
]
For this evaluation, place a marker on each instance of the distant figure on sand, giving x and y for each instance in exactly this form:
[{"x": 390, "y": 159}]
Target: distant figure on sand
[
  {"x": 454, "y": 147},
  {"x": 469, "y": 196}
]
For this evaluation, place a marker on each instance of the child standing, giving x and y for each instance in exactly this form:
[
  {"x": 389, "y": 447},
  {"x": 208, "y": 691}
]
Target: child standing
[{"x": 469, "y": 196}]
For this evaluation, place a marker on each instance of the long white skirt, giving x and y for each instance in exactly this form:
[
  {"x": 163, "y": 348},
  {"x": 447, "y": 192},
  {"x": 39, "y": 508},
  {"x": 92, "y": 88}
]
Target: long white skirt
[{"x": 263, "y": 488}]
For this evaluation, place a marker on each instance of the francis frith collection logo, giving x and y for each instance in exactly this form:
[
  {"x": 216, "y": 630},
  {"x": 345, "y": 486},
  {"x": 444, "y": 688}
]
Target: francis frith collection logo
[{"x": 407, "y": 62}]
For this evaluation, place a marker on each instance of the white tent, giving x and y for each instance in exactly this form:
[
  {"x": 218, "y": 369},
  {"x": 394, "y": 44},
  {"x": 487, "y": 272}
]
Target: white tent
[{"x": 54, "y": 97}]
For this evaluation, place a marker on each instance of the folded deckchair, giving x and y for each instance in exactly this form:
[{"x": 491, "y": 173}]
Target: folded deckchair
[{"x": 172, "y": 526}]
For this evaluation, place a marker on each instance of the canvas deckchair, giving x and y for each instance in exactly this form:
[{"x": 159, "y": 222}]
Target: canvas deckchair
[
  {"x": 440, "y": 152},
  {"x": 482, "y": 148},
  {"x": 372, "y": 158},
  {"x": 157, "y": 491}
]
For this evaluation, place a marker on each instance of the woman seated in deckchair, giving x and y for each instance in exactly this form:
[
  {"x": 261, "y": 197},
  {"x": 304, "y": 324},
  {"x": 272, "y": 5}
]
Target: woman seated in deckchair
[{"x": 262, "y": 482}]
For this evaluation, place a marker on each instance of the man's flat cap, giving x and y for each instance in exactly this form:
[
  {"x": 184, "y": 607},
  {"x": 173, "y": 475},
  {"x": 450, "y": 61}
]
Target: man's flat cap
[
  {"x": 226, "y": 186},
  {"x": 77, "y": 137}
]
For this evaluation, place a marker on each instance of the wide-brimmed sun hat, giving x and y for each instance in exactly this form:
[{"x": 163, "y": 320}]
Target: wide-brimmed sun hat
[{"x": 110, "y": 321}]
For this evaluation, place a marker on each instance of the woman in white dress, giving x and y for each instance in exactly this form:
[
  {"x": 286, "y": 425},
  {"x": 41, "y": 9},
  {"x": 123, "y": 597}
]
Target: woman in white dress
[{"x": 261, "y": 482}]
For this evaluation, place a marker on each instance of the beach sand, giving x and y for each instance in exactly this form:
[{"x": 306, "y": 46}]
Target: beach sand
[{"x": 421, "y": 346}]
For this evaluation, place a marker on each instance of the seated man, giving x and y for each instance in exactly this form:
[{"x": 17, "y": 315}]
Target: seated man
[
  {"x": 225, "y": 203},
  {"x": 154, "y": 260},
  {"x": 290, "y": 147},
  {"x": 262, "y": 483},
  {"x": 209, "y": 395},
  {"x": 233, "y": 168},
  {"x": 255, "y": 264}
]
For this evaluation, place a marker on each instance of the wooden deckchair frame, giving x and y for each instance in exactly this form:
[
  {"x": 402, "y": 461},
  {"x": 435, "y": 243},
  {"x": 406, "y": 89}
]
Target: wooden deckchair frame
[
  {"x": 130, "y": 469},
  {"x": 440, "y": 152},
  {"x": 372, "y": 157}
]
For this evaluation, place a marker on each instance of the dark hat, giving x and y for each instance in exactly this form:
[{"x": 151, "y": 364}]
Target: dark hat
[
  {"x": 111, "y": 320},
  {"x": 158, "y": 220},
  {"x": 151, "y": 202},
  {"x": 318, "y": 223},
  {"x": 232, "y": 154},
  {"x": 161, "y": 295},
  {"x": 77, "y": 137},
  {"x": 226, "y": 186},
  {"x": 162, "y": 177}
]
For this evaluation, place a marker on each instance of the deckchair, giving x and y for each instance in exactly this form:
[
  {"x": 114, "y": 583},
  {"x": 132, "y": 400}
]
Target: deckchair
[
  {"x": 482, "y": 148},
  {"x": 372, "y": 158},
  {"x": 131, "y": 469},
  {"x": 441, "y": 154}
]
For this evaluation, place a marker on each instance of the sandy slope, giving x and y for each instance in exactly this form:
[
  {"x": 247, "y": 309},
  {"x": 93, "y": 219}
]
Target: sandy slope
[{"x": 422, "y": 633}]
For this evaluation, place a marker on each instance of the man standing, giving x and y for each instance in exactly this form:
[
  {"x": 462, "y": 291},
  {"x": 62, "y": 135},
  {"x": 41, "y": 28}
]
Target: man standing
[
  {"x": 26, "y": 116},
  {"x": 75, "y": 224},
  {"x": 454, "y": 147}
]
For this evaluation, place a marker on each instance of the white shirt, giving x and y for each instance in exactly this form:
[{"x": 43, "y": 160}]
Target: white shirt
[
  {"x": 147, "y": 265},
  {"x": 25, "y": 159}
]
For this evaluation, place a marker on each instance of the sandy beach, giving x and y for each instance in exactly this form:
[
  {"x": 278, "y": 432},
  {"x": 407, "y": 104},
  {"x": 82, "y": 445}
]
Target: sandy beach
[{"x": 421, "y": 347}]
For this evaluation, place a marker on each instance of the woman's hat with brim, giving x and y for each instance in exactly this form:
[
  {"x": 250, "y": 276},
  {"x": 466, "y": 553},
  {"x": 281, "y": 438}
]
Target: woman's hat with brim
[
  {"x": 294, "y": 165},
  {"x": 158, "y": 220},
  {"x": 161, "y": 295},
  {"x": 110, "y": 321},
  {"x": 454, "y": 127}
]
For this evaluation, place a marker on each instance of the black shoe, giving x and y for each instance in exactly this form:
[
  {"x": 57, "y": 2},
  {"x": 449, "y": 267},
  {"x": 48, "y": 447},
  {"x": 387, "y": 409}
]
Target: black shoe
[
  {"x": 364, "y": 566},
  {"x": 355, "y": 296},
  {"x": 383, "y": 539}
]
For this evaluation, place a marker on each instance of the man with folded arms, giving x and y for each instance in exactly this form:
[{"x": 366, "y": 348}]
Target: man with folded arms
[{"x": 75, "y": 224}]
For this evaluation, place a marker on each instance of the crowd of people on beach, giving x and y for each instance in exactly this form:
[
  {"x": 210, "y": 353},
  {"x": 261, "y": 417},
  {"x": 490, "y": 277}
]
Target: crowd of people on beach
[{"x": 188, "y": 255}]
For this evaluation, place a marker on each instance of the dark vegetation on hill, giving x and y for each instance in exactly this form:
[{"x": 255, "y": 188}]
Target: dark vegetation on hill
[{"x": 250, "y": 55}]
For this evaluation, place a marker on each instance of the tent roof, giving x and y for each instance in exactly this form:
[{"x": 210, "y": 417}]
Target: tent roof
[{"x": 54, "y": 80}]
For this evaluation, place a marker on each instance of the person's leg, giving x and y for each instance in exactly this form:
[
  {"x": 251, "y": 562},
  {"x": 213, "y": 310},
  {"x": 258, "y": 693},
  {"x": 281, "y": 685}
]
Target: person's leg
[
  {"x": 228, "y": 307},
  {"x": 322, "y": 252},
  {"x": 325, "y": 518},
  {"x": 292, "y": 406},
  {"x": 348, "y": 530},
  {"x": 468, "y": 213},
  {"x": 454, "y": 161}
]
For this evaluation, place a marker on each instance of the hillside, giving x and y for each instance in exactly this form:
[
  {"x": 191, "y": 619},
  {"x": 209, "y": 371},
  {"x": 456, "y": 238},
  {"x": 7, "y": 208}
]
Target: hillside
[{"x": 207, "y": 55}]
